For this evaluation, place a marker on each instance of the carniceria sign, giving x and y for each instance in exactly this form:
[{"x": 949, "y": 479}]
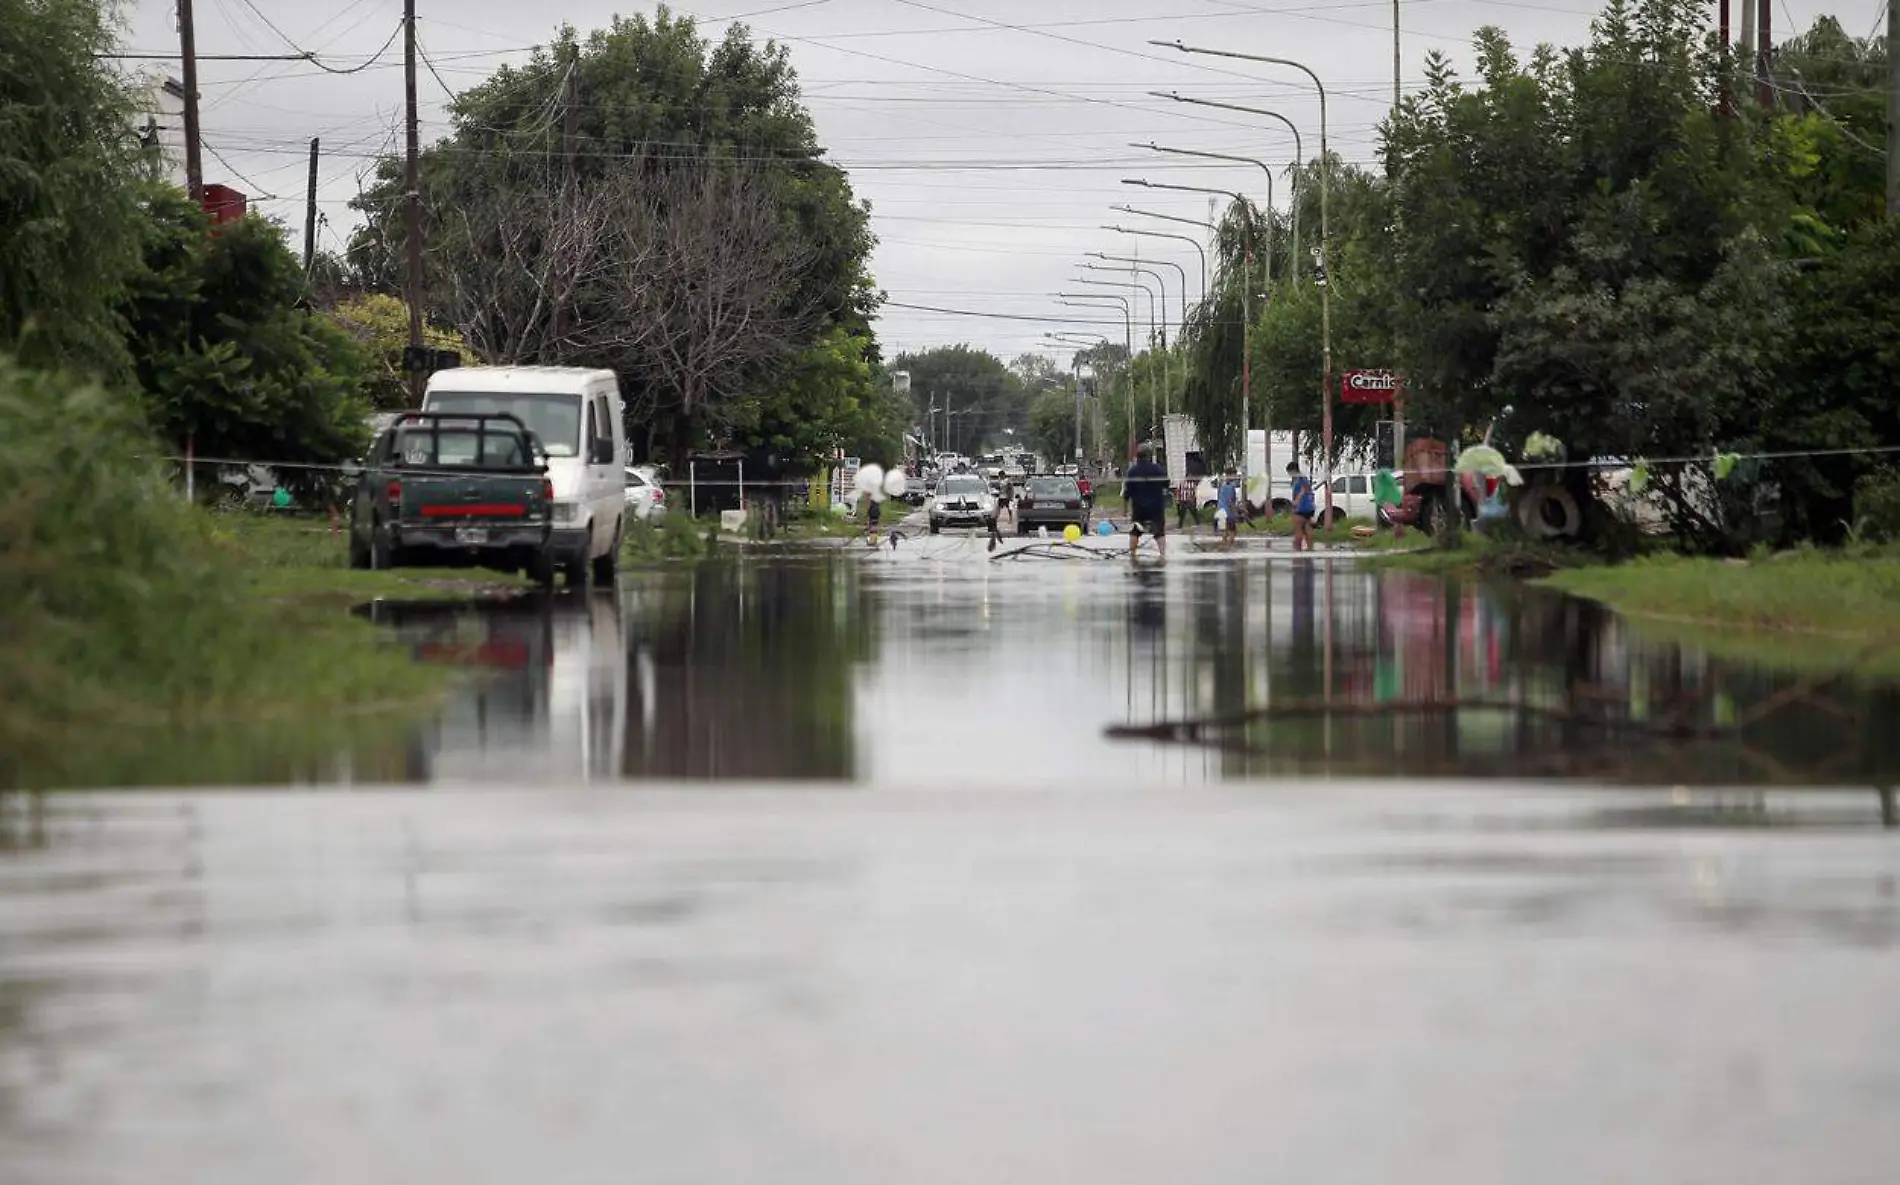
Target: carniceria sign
[{"x": 1369, "y": 386}]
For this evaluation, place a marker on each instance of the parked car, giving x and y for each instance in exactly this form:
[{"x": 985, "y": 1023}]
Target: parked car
[
  {"x": 646, "y": 498},
  {"x": 962, "y": 500},
  {"x": 578, "y": 419},
  {"x": 1051, "y": 501},
  {"x": 455, "y": 490}
]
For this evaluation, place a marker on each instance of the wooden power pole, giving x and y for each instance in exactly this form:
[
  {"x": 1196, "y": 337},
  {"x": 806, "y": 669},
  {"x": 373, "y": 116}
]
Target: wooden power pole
[
  {"x": 412, "y": 206},
  {"x": 570, "y": 144},
  {"x": 1893, "y": 108},
  {"x": 188, "y": 51},
  {"x": 310, "y": 213}
]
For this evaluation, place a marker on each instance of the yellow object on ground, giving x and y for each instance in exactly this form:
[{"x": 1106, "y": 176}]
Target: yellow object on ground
[{"x": 1072, "y": 532}]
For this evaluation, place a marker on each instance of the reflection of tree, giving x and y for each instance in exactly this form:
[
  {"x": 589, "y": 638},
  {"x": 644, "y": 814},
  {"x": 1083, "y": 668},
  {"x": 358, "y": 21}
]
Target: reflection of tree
[
  {"x": 1603, "y": 699},
  {"x": 751, "y": 673}
]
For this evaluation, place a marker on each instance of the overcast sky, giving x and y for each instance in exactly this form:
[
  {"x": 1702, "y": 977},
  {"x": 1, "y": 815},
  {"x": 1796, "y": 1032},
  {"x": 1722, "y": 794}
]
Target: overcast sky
[{"x": 990, "y": 136}]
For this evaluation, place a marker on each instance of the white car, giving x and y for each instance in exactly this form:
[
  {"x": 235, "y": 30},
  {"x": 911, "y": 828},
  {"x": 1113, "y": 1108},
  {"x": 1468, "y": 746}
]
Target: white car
[
  {"x": 962, "y": 500},
  {"x": 646, "y": 499}
]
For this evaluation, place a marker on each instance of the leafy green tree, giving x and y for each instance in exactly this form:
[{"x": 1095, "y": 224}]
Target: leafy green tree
[
  {"x": 1052, "y": 423},
  {"x": 693, "y": 239},
  {"x": 379, "y": 323},
  {"x": 70, "y": 169},
  {"x": 225, "y": 354},
  {"x": 983, "y": 395},
  {"x": 834, "y": 398}
]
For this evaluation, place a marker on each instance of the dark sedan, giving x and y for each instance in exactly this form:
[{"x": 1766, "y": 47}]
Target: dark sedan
[{"x": 1051, "y": 502}]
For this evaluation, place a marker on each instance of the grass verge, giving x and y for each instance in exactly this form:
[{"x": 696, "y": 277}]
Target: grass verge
[
  {"x": 287, "y": 558},
  {"x": 1842, "y": 594},
  {"x": 133, "y": 625}
]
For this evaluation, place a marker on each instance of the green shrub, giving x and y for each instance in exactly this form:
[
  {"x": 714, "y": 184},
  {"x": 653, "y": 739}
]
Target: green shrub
[
  {"x": 674, "y": 537},
  {"x": 123, "y": 612},
  {"x": 1877, "y": 507}
]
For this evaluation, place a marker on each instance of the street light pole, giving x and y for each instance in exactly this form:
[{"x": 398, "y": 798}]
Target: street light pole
[
  {"x": 1154, "y": 401},
  {"x": 1075, "y": 376},
  {"x": 1325, "y": 240},
  {"x": 1240, "y": 160},
  {"x": 1245, "y": 211},
  {"x": 1247, "y": 306},
  {"x": 1182, "y": 303},
  {"x": 1299, "y": 153},
  {"x": 1162, "y": 234},
  {"x": 1075, "y": 299},
  {"x": 1158, "y": 338}
]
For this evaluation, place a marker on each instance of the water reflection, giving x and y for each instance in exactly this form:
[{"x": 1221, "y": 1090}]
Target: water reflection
[
  {"x": 922, "y": 669},
  {"x": 1383, "y": 650},
  {"x": 937, "y": 665},
  {"x": 717, "y": 671}
]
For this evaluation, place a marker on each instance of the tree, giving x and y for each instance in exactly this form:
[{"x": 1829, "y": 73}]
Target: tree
[
  {"x": 984, "y": 397},
  {"x": 379, "y": 323},
  {"x": 70, "y": 170},
  {"x": 833, "y": 399},
  {"x": 1052, "y": 423},
  {"x": 225, "y": 355},
  {"x": 690, "y": 236}
]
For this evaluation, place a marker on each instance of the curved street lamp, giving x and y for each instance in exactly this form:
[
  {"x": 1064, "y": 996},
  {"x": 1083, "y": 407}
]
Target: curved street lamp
[
  {"x": 1162, "y": 234},
  {"x": 1325, "y": 241},
  {"x": 1299, "y": 154},
  {"x": 1075, "y": 300}
]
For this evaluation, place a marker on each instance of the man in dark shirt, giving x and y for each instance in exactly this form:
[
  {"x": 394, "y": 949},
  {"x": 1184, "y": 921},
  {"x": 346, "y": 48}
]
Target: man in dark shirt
[{"x": 1146, "y": 490}]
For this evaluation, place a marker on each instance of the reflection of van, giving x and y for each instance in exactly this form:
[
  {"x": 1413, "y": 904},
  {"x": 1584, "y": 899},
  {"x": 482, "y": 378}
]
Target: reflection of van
[{"x": 577, "y": 416}]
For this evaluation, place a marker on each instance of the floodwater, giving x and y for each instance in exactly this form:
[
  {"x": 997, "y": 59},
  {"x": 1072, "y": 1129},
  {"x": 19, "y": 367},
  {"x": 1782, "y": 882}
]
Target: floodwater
[
  {"x": 821, "y": 867},
  {"x": 941, "y": 664}
]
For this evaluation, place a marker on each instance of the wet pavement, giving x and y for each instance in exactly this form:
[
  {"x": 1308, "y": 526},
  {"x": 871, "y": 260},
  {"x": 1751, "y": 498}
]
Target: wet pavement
[{"x": 569, "y": 932}]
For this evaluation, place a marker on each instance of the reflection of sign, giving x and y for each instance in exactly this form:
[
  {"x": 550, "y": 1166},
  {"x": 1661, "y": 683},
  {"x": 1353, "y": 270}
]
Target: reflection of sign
[{"x": 1368, "y": 386}]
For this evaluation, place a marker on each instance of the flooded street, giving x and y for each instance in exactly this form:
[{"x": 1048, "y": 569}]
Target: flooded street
[
  {"x": 940, "y": 665},
  {"x": 569, "y": 933}
]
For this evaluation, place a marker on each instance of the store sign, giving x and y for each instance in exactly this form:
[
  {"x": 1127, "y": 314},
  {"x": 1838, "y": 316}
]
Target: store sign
[{"x": 1369, "y": 386}]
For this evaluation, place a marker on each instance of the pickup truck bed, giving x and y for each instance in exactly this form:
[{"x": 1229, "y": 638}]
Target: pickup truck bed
[{"x": 454, "y": 490}]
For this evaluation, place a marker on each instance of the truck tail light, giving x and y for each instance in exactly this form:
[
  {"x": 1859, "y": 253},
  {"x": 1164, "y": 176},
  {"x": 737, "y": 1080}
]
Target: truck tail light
[
  {"x": 547, "y": 490},
  {"x": 394, "y": 493},
  {"x": 659, "y": 495}
]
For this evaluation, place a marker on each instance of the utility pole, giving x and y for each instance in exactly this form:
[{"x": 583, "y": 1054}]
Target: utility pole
[
  {"x": 1764, "y": 90},
  {"x": 1395, "y": 56},
  {"x": 188, "y": 50},
  {"x": 1721, "y": 22},
  {"x": 412, "y": 205},
  {"x": 310, "y": 213},
  {"x": 570, "y": 143},
  {"x": 1893, "y": 108},
  {"x": 1075, "y": 376}
]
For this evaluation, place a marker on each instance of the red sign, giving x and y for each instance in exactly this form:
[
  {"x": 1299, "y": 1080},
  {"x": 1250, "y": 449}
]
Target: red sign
[
  {"x": 224, "y": 204},
  {"x": 1369, "y": 386}
]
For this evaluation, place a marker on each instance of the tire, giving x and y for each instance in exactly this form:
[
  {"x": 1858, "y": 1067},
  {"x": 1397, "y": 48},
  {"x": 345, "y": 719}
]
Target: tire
[
  {"x": 1549, "y": 512},
  {"x": 936, "y": 528},
  {"x": 541, "y": 570},
  {"x": 1022, "y": 528},
  {"x": 382, "y": 556},
  {"x": 576, "y": 572},
  {"x": 607, "y": 567}
]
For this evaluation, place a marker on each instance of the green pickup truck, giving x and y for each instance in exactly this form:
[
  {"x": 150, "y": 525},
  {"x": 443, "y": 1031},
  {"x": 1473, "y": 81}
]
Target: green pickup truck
[{"x": 459, "y": 490}]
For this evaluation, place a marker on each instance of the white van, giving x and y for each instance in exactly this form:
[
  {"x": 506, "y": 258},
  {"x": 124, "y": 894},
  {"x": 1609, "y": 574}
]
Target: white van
[{"x": 578, "y": 417}]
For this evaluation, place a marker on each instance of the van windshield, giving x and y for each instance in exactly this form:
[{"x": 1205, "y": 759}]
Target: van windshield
[{"x": 554, "y": 419}]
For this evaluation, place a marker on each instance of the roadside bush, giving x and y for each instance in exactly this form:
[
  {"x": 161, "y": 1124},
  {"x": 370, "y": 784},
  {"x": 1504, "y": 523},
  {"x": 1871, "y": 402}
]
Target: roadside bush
[
  {"x": 675, "y": 537},
  {"x": 1877, "y": 507},
  {"x": 122, "y": 612}
]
